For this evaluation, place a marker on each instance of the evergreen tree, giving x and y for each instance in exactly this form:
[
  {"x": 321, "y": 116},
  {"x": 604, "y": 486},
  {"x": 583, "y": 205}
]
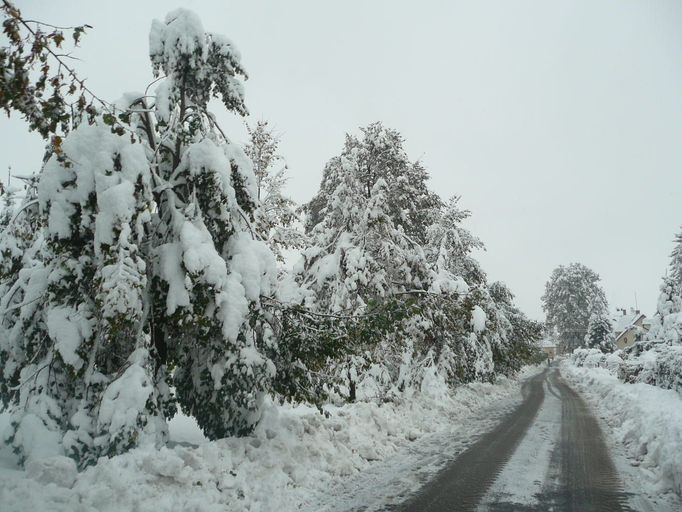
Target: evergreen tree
[
  {"x": 666, "y": 324},
  {"x": 676, "y": 260},
  {"x": 600, "y": 331}
]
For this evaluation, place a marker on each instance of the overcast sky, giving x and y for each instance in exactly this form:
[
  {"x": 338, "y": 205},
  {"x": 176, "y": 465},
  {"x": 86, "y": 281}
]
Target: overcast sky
[{"x": 559, "y": 123}]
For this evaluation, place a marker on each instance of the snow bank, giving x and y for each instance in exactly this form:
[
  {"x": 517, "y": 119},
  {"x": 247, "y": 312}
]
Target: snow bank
[
  {"x": 292, "y": 458},
  {"x": 646, "y": 419}
]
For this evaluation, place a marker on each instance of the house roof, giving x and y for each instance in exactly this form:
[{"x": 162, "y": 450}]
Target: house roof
[
  {"x": 547, "y": 343},
  {"x": 623, "y": 323}
]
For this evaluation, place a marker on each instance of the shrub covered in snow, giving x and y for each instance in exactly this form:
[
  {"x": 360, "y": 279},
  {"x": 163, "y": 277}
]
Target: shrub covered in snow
[
  {"x": 656, "y": 364},
  {"x": 595, "y": 358}
]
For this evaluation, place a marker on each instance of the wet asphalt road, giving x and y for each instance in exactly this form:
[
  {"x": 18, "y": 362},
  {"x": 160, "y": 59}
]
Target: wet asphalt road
[{"x": 582, "y": 476}]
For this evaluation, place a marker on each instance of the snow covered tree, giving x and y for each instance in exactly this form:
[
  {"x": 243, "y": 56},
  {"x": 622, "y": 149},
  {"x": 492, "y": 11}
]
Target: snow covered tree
[
  {"x": 364, "y": 261},
  {"x": 570, "y": 295},
  {"x": 666, "y": 324},
  {"x": 600, "y": 332},
  {"x": 676, "y": 260},
  {"x": 379, "y": 154},
  {"x": 275, "y": 217},
  {"x": 518, "y": 334},
  {"x": 143, "y": 258},
  {"x": 8, "y": 200},
  {"x": 658, "y": 360},
  {"x": 211, "y": 271},
  {"x": 449, "y": 244},
  {"x": 76, "y": 335}
]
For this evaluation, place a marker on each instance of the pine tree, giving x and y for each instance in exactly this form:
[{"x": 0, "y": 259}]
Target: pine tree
[
  {"x": 676, "y": 260},
  {"x": 666, "y": 324},
  {"x": 600, "y": 331}
]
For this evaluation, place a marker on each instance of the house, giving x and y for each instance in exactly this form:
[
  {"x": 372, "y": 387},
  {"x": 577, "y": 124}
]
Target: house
[
  {"x": 548, "y": 346},
  {"x": 629, "y": 327}
]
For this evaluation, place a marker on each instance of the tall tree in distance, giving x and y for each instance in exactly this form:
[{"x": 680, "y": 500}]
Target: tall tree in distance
[{"x": 571, "y": 295}]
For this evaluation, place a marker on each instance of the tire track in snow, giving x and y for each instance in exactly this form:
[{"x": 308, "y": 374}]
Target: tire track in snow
[
  {"x": 462, "y": 484},
  {"x": 524, "y": 478}
]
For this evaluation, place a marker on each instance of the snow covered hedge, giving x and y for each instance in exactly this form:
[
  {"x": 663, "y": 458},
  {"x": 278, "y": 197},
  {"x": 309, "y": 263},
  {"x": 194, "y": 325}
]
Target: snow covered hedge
[
  {"x": 660, "y": 365},
  {"x": 595, "y": 358}
]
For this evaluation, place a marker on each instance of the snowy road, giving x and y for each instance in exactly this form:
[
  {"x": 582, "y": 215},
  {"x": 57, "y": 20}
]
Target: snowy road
[{"x": 547, "y": 454}]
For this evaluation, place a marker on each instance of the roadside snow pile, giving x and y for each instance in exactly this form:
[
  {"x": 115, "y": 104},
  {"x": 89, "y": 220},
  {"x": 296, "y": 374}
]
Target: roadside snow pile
[
  {"x": 659, "y": 365},
  {"x": 646, "y": 362},
  {"x": 595, "y": 358},
  {"x": 294, "y": 456},
  {"x": 646, "y": 419}
]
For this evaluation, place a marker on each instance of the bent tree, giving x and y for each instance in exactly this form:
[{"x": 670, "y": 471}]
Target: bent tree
[{"x": 141, "y": 259}]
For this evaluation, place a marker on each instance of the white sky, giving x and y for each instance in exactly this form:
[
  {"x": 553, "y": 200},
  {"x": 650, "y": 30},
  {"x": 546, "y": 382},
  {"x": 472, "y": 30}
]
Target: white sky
[{"x": 559, "y": 123}]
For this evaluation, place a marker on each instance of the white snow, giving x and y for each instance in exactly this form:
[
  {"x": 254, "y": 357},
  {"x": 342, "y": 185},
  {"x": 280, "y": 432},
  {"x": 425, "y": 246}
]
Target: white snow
[
  {"x": 89, "y": 149},
  {"x": 181, "y": 34},
  {"x": 170, "y": 256},
  {"x": 478, "y": 318},
  {"x": 68, "y": 328},
  {"x": 297, "y": 459},
  {"x": 125, "y": 397}
]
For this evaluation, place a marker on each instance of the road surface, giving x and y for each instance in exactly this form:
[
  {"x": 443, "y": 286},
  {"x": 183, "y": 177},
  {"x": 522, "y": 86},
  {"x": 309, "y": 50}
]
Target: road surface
[{"x": 548, "y": 454}]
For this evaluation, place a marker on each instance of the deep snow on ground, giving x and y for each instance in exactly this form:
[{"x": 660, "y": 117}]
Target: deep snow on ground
[
  {"x": 644, "y": 426},
  {"x": 296, "y": 459}
]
